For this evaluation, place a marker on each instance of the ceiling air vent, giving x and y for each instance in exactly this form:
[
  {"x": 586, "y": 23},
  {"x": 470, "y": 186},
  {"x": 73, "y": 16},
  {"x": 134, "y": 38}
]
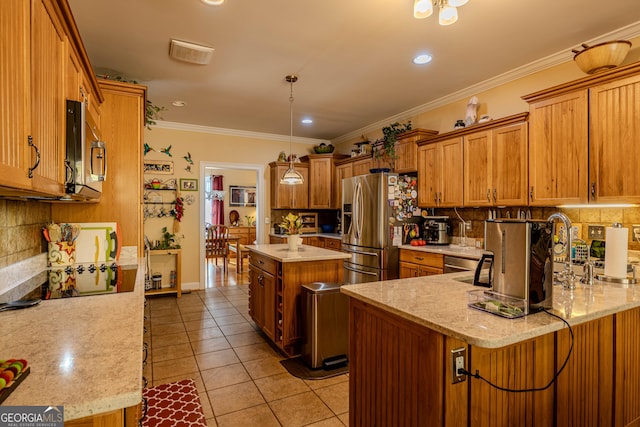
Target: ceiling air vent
[{"x": 190, "y": 52}]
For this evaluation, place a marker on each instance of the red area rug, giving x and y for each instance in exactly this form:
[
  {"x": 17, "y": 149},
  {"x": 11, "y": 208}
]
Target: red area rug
[{"x": 173, "y": 405}]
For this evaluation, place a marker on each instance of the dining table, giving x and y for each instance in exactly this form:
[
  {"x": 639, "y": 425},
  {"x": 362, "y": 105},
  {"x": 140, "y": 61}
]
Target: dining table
[{"x": 232, "y": 241}]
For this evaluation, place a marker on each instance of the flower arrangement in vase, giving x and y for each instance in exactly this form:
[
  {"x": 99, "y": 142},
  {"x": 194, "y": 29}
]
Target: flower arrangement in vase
[{"x": 292, "y": 225}]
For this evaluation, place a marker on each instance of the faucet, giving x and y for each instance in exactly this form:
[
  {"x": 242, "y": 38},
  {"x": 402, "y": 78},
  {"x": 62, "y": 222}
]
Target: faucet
[{"x": 567, "y": 276}]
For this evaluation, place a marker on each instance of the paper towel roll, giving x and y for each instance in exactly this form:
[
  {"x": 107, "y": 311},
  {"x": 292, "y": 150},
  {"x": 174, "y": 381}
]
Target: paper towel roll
[{"x": 615, "y": 256}]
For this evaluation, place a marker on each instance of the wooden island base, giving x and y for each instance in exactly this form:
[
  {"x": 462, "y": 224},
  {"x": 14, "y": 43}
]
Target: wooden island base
[{"x": 400, "y": 375}]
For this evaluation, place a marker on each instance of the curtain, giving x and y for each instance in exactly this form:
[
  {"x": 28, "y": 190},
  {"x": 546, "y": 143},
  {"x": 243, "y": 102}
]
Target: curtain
[{"x": 217, "y": 206}]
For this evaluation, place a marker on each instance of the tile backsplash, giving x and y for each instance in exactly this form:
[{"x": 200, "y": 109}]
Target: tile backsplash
[{"x": 21, "y": 225}]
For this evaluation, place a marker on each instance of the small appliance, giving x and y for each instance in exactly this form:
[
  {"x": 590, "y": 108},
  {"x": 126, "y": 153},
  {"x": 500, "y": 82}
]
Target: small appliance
[
  {"x": 437, "y": 230},
  {"x": 521, "y": 261},
  {"x": 86, "y": 156}
]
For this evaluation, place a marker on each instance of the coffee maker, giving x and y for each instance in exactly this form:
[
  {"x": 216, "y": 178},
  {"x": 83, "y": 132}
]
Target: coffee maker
[
  {"x": 521, "y": 264},
  {"x": 437, "y": 230}
]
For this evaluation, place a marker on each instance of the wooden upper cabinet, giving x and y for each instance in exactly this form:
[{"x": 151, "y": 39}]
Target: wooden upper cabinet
[
  {"x": 15, "y": 155},
  {"x": 558, "y": 150},
  {"x": 285, "y": 196},
  {"x": 342, "y": 171},
  {"x": 48, "y": 64},
  {"x": 440, "y": 174},
  {"x": 363, "y": 166},
  {"x": 322, "y": 183},
  {"x": 407, "y": 149},
  {"x": 614, "y": 141},
  {"x": 495, "y": 165}
]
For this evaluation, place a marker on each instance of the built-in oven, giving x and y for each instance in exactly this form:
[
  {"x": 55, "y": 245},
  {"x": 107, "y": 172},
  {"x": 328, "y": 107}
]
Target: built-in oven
[{"x": 454, "y": 264}]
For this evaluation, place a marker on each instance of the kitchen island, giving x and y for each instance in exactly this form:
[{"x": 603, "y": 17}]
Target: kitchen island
[
  {"x": 85, "y": 354},
  {"x": 402, "y": 334},
  {"x": 276, "y": 276}
]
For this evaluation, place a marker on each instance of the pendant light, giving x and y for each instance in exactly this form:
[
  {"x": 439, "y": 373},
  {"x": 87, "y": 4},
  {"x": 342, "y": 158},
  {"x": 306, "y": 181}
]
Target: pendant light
[{"x": 291, "y": 176}]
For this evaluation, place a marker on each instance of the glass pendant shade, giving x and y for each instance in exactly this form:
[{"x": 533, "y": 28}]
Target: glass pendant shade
[
  {"x": 458, "y": 3},
  {"x": 292, "y": 176},
  {"x": 422, "y": 9},
  {"x": 448, "y": 15}
]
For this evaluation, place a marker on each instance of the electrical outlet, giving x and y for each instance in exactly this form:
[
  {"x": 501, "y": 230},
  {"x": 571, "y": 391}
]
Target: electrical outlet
[
  {"x": 596, "y": 232},
  {"x": 636, "y": 232},
  {"x": 458, "y": 356}
]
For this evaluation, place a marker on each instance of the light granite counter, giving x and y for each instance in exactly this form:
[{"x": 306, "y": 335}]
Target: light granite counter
[
  {"x": 305, "y": 253},
  {"x": 85, "y": 353},
  {"x": 440, "y": 303}
]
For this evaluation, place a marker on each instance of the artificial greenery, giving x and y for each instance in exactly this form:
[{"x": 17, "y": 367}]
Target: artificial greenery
[
  {"x": 385, "y": 148},
  {"x": 291, "y": 223},
  {"x": 169, "y": 240}
]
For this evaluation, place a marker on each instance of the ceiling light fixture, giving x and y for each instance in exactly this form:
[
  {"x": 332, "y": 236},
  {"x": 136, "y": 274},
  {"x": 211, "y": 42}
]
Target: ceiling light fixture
[
  {"x": 422, "y": 59},
  {"x": 448, "y": 9},
  {"x": 306, "y": 121},
  {"x": 177, "y": 103},
  {"x": 190, "y": 52},
  {"x": 212, "y": 2},
  {"x": 291, "y": 176}
]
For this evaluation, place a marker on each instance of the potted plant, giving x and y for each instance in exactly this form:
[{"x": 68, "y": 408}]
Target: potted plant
[
  {"x": 292, "y": 225},
  {"x": 384, "y": 149}
]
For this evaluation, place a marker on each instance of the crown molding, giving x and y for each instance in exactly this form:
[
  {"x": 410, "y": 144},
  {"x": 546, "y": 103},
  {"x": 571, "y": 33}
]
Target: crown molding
[{"x": 235, "y": 132}]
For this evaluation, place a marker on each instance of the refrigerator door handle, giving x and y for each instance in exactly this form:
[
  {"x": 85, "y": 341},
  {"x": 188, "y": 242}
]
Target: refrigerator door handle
[
  {"x": 360, "y": 212},
  {"x": 375, "y": 254},
  {"x": 360, "y": 271}
]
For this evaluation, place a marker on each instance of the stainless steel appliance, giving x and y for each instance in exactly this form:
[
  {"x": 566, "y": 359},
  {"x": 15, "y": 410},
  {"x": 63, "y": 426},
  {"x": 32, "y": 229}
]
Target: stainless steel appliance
[
  {"x": 372, "y": 232},
  {"x": 454, "y": 264},
  {"x": 437, "y": 230},
  {"x": 522, "y": 262},
  {"x": 86, "y": 156}
]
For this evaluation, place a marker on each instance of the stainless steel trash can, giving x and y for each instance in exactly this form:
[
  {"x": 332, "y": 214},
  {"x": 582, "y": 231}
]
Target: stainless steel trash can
[{"x": 325, "y": 317}]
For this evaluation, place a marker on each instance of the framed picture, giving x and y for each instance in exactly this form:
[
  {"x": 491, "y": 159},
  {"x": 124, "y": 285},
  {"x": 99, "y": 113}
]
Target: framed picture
[
  {"x": 158, "y": 167},
  {"x": 242, "y": 195},
  {"x": 188, "y": 184}
]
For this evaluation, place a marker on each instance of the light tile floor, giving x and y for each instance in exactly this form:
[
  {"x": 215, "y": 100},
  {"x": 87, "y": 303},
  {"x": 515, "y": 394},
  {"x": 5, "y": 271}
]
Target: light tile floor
[{"x": 209, "y": 336}]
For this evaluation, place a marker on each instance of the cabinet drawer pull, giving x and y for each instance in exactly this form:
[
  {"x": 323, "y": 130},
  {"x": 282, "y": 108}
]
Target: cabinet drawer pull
[
  {"x": 593, "y": 191},
  {"x": 531, "y": 194},
  {"x": 419, "y": 258},
  {"x": 35, "y": 147},
  {"x": 489, "y": 195},
  {"x": 495, "y": 195}
]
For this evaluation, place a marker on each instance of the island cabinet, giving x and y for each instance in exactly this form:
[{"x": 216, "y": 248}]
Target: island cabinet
[
  {"x": 285, "y": 196},
  {"x": 440, "y": 173},
  {"x": 407, "y": 149},
  {"x": 495, "y": 163},
  {"x": 276, "y": 277},
  {"x": 401, "y": 359},
  {"x": 322, "y": 182},
  {"x": 581, "y": 135}
]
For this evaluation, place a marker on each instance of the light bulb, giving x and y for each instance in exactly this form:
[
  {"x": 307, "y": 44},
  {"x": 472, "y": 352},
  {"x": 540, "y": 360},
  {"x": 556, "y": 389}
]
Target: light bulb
[
  {"x": 422, "y": 9},
  {"x": 448, "y": 15}
]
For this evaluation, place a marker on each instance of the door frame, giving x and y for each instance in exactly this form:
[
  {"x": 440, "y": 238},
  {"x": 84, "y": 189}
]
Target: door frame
[{"x": 260, "y": 204}]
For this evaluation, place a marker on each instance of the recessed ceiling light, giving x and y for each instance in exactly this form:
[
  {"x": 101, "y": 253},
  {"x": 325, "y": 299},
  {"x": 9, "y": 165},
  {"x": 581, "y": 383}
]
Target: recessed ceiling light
[
  {"x": 178, "y": 103},
  {"x": 212, "y": 2},
  {"x": 307, "y": 121},
  {"x": 422, "y": 59}
]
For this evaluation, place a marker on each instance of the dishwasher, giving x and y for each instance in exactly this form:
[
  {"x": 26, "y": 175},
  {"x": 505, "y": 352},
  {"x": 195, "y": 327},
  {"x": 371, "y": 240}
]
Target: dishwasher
[{"x": 454, "y": 264}]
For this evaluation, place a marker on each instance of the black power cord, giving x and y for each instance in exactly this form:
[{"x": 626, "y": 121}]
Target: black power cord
[{"x": 526, "y": 390}]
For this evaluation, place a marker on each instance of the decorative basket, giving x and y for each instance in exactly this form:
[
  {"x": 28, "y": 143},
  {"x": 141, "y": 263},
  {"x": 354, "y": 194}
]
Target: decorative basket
[
  {"x": 602, "y": 56},
  {"x": 323, "y": 149}
]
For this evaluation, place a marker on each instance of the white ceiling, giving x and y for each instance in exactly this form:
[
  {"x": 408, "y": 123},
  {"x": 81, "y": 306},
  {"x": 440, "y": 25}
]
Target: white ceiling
[{"x": 353, "y": 56}]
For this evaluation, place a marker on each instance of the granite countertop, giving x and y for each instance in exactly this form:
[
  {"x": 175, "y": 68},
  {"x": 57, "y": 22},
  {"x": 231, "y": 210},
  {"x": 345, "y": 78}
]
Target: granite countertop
[
  {"x": 280, "y": 252},
  {"x": 455, "y": 250},
  {"x": 440, "y": 303},
  {"x": 85, "y": 353}
]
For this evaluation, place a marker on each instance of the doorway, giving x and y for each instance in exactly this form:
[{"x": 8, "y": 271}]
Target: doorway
[{"x": 214, "y": 168}]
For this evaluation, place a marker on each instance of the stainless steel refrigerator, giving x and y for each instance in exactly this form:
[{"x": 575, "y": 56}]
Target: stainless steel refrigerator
[{"x": 376, "y": 211}]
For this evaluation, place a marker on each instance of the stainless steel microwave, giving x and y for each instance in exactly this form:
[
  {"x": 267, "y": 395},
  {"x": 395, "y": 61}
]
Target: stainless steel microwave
[{"x": 86, "y": 155}]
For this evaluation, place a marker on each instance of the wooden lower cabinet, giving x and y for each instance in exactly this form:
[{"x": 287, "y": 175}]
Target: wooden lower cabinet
[
  {"x": 400, "y": 375},
  {"x": 419, "y": 263},
  {"x": 275, "y": 293}
]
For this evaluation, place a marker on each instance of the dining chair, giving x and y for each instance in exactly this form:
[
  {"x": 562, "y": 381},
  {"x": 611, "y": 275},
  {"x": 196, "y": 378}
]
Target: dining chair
[{"x": 217, "y": 245}]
